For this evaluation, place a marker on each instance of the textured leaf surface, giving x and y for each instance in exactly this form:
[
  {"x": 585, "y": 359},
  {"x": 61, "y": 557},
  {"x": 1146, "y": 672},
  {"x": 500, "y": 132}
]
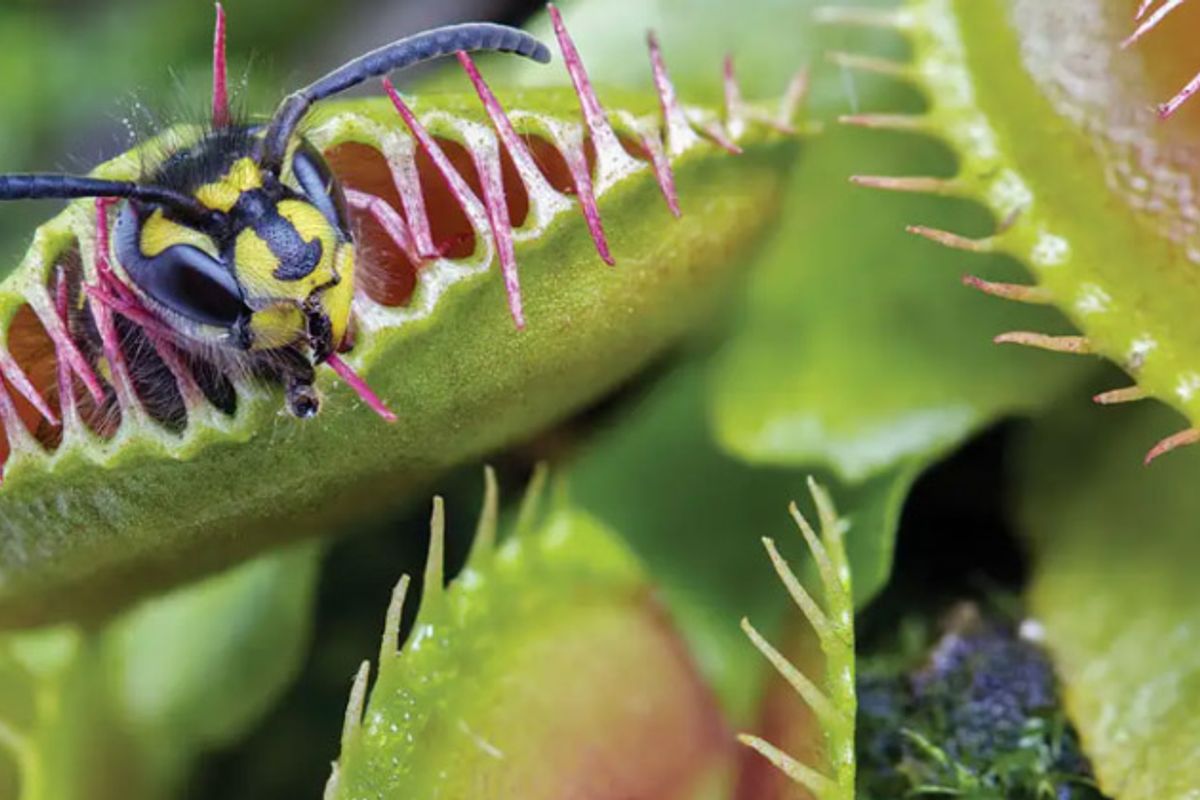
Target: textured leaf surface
[
  {"x": 1114, "y": 585},
  {"x": 97, "y": 522},
  {"x": 546, "y": 670},
  {"x": 1021, "y": 89}
]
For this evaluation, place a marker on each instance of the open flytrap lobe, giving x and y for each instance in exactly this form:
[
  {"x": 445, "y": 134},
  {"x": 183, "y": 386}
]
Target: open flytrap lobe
[
  {"x": 237, "y": 254},
  {"x": 351, "y": 256},
  {"x": 1110, "y": 241}
]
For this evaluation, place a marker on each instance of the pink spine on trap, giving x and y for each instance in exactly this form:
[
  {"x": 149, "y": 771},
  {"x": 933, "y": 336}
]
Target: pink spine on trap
[
  {"x": 389, "y": 219},
  {"x": 576, "y": 159},
  {"x": 122, "y": 382},
  {"x": 516, "y": 146},
  {"x": 1169, "y": 108},
  {"x": 662, "y": 171},
  {"x": 360, "y": 387},
  {"x": 593, "y": 113},
  {"x": 1185, "y": 438},
  {"x": 66, "y": 384},
  {"x": 680, "y": 135},
  {"x": 793, "y": 98},
  {"x": 488, "y": 166},
  {"x": 56, "y": 325},
  {"x": 407, "y": 180},
  {"x": 1142, "y": 9},
  {"x": 131, "y": 310},
  {"x": 13, "y": 427},
  {"x": 11, "y": 371},
  {"x": 458, "y": 187},
  {"x": 220, "y": 79},
  {"x": 718, "y": 134},
  {"x": 184, "y": 379},
  {"x": 1151, "y": 22},
  {"x": 735, "y": 108}
]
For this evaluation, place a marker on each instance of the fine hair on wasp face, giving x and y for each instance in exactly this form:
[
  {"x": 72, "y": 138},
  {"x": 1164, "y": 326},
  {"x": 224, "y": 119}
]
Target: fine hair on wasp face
[{"x": 238, "y": 247}]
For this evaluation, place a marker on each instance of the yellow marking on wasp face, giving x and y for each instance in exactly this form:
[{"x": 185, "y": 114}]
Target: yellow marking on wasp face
[
  {"x": 254, "y": 264},
  {"x": 312, "y": 225},
  {"x": 222, "y": 195},
  {"x": 277, "y": 325},
  {"x": 159, "y": 233},
  {"x": 336, "y": 300}
]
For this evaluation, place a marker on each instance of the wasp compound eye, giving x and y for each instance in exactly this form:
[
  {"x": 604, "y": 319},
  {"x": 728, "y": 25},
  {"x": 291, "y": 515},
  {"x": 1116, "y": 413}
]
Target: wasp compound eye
[{"x": 181, "y": 278}]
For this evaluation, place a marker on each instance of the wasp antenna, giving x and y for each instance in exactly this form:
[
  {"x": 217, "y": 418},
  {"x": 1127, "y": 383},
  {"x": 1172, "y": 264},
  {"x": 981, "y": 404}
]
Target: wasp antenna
[
  {"x": 471, "y": 37},
  {"x": 55, "y": 186},
  {"x": 220, "y": 74}
]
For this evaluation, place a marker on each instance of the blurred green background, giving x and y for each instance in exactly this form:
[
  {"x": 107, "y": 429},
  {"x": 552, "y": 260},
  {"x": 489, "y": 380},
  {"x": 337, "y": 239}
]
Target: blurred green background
[{"x": 85, "y": 81}]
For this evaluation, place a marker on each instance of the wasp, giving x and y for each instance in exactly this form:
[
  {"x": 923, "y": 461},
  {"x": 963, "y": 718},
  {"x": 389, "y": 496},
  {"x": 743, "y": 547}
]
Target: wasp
[{"x": 241, "y": 242}]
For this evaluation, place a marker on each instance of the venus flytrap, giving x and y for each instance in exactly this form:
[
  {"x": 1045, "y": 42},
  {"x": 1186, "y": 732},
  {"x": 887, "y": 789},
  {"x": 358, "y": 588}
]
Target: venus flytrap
[
  {"x": 128, "y": 469},
  {"x": 546, "y": 665},
  {"x": 833, "y": 702},
  {"x": 1017, "y": 90}
]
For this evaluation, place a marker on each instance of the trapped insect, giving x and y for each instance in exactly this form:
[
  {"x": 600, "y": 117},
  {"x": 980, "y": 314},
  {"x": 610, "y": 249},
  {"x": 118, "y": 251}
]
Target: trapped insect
[{"x": 240, "y": 244}]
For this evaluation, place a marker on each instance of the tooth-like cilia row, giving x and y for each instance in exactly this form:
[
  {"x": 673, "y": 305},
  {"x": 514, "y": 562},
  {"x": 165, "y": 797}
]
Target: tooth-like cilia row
[
  {"x": 988, "y": 173},
  {"x": 47, "y": 288},
  {"x": 834, "y": 704}
]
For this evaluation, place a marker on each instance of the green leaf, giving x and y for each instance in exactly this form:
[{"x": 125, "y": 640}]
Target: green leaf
[
  {"x": 96, "y": 522},
  {"x": 546, "y": 666},
  {"x": 1114, "y": 585},
  {"x": 195, "y": 669},
  {"x": 123, "y": 712},
  {"x": 695, "y": 515},
  {"x": 1044, "y": 125}
]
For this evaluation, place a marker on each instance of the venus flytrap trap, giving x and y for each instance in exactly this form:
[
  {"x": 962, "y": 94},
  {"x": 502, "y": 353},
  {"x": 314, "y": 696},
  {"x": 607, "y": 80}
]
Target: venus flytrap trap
[
  {"x": 127, "y": 459},
  {"x": 834, "y": 703},
  {"x": 545, "y": 667},
  {"x": 992, "y": 73}
]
